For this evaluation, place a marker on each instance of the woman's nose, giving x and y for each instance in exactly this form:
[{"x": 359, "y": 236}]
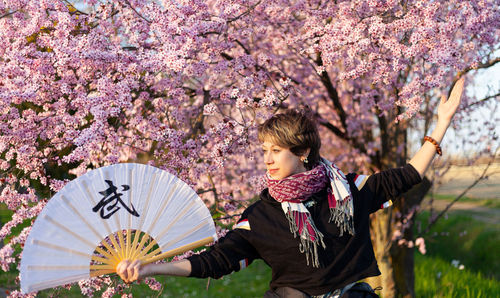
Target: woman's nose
[{"x": 268, "y": 159}]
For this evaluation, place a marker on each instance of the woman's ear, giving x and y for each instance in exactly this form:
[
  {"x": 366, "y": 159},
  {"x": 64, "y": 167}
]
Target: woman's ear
[{"x": 306, "y": 153}]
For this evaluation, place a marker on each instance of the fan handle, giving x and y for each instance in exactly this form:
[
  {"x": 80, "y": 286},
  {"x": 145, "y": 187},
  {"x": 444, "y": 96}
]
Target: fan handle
[{"x": 179, "y": 250}]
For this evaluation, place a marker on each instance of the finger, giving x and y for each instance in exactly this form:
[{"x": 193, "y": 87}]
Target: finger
[
  {"x": 121, "y": 265},
  {"x": 457, "y": 90},
  {"x": 121, "y": 269},
  {"x": 137, "y": 266},
  {"x": 131, "y": 269},
  {"x": 443, "y": 99}
]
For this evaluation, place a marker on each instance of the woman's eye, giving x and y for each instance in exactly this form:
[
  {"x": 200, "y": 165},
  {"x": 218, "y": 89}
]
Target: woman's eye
[{"x": 276, "y": 150}]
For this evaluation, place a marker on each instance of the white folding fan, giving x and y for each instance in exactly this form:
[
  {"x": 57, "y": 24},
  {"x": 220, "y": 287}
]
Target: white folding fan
[{"x": 122, "y": 211}]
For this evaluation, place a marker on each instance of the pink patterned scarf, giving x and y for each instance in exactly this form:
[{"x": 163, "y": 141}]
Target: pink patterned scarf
[{"x": 292, "y": 191}]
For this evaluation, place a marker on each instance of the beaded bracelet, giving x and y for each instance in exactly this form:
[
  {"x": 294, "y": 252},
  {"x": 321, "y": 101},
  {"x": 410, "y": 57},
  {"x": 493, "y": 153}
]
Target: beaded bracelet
[{"x": 438, "y": 148}]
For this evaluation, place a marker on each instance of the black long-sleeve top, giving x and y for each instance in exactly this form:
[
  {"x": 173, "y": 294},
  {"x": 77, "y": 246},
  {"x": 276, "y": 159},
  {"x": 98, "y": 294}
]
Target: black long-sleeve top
[{"x": 264, "y": 233}]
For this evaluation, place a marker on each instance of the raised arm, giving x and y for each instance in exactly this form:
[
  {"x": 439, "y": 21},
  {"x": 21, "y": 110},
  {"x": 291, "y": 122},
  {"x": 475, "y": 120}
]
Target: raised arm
[{"x": 447, "y": 108}]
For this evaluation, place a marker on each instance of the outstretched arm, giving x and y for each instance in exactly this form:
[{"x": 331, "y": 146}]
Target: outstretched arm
[
  {"x": 131, "y": 271},
  {"x": 446, "y": 110},
  {"x": 222, "y": 258}
]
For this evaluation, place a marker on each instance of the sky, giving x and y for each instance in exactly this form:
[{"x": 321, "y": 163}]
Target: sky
[{"x": 485, "y": 83}]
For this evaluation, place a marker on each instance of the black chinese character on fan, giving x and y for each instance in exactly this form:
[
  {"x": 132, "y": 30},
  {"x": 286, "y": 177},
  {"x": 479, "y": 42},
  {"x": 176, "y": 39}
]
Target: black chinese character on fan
[{"x": 109, "y": 203}]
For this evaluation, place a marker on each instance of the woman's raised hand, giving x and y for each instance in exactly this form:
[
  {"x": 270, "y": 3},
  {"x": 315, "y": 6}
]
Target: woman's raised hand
[
  {"x": 130, "y": 271},
  {"x": 448, "y": 107}
]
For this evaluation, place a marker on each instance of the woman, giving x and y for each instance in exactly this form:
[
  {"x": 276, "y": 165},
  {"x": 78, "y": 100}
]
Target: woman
[{"x": 311, "y": 225}]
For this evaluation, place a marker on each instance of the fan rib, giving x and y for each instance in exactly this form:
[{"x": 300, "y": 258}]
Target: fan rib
[
  {"x": 173, "y": 241},
  {"x": 52, "y": 221},
  {"x": 109, "y": 254},
  {"x": 91, "y": 197},
  {"x": 113, "y": 248},
  {"x": 133, "y": 248},
  {"x": 116, "y": 247},
  {"x": 102, "y": 260},
  {"x": 56, "y": 267},
  {"x": 57, "y": 282},
  {"x": 59, "y": 248},
  {"x": 68, "y": 202},
  {"x": 143, "y": 251},
  {"x": 165, "y": 203},
  {"x": 152, "y": 254},
  {"x": 144, "y": 211},
  {"x": 120, "y": 244},
  {"x": 127, "y": 247},
  {"x": 148, "y": 199},
  {"x": 184, "y": 211},
  {"x": 100, "y": 267},
  {"x": 94, "y": 273},
  {"x": 179, "y": 250},
  {"x": 129, "y": 227},
  {"x": 140, "y": 247}
]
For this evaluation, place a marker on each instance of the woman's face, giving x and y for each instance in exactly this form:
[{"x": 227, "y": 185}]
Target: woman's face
[{"x": 281, "y": 162}]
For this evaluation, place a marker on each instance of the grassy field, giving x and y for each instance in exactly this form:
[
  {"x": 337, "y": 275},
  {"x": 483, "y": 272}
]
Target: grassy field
[
  {"x": 490, "y": 203},
  {"x": 459, "y": 240},
  {"x": 461, "y": 260},
  {"x": 457, "y": 178}
]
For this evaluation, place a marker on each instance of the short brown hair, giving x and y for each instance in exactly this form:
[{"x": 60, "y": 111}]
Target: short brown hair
[{"x": 293, "y": 129}]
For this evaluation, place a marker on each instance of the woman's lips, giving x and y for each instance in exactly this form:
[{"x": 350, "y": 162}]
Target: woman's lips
[{"x": 273, "y": 171}]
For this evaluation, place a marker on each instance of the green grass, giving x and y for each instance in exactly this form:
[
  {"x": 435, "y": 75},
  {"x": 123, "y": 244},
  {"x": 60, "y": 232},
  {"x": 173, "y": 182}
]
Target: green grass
[
  {"x": 435, "y": 277},
  {"x": 5, "y": 216},
  {"x": 461, "y": 237},
  {"x": 490, "y": 203},
  {"x": 472, "y": 243}
]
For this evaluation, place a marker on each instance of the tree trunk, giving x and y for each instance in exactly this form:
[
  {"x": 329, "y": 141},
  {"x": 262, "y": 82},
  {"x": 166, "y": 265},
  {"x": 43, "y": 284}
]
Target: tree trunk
[{"x": 395, "y": 261}]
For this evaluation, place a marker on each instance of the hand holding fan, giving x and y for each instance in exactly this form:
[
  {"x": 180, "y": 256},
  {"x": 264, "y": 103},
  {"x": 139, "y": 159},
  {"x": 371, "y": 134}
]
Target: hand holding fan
[{"x": 123, "y": 211}]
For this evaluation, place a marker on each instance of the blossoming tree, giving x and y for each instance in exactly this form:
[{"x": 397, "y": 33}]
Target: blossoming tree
[{"x": 181, "y": 84}]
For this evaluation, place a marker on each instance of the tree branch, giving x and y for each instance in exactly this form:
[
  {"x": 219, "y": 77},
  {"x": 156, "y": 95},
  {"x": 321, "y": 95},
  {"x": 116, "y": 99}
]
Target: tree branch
[
  {"x": 136, "y": 12},
  {"x": 214, "y": 190},
  {"x": 484, "y": 99},
  {"x": 466, "y": 70},
  {"x": 243, "y": 46},
  {"x": 74, "y": 8},
  {"x": 245, "y": 13},
  {"x": 226, "y": 56},
  {"x": 332, "y": 93},
  {"x": 8, "y": 14},
  {"x": 334, "y": 129},
  {"x": 202, "y": 191},
  {"x": 227, "y": 217},
  {"x": 480, "y": 66},
  {"x": 339, "y": 109},
  {"x": 198, "y": 121}
]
